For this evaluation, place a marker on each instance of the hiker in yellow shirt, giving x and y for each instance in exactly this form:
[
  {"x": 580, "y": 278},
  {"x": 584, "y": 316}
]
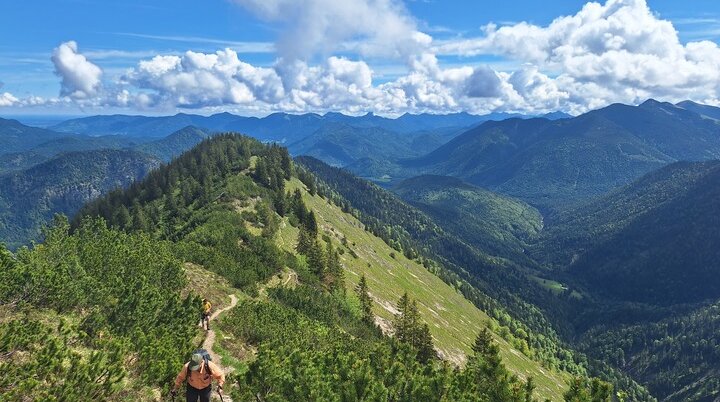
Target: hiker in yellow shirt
[{"x": 205, "y": 317}]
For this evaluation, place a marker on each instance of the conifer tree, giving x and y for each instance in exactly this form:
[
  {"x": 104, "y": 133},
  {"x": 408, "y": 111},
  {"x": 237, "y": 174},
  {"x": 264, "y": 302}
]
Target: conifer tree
[
  {"x": 311, "y": 223},
  {"x": 600, "y": 391},
  {"x": 139, "y": 219},
  {"x": 261, "y": 174},
  {"x": 577, "y": 392},
  {"x": 410, "y": 329},
  {"x": 122, "y": 219},
  {"x": 334, "y": 276},
  {"x": 426, "y": 351},
  {"x": 582, "y": 390},
  {"x": 413, "y": 323},
  {"x": 366, "y": 302},
  {"x": 305, "y": 241},
  {"x": 529, "y": 389},
  {"x": 401, "y": 324},
  {"x": 487, "y": 372},
  {"x": 316, "y": 259},
  {"x": 286, "y": 164}
]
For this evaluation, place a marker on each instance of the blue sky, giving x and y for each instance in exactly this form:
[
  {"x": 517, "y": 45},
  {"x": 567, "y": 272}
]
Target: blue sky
[{"x": 455, "y": 64}]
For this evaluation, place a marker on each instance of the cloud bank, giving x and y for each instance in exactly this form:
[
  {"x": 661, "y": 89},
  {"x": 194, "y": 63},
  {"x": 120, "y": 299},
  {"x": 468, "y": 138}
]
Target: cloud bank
[{"x": 619, "y": 51}]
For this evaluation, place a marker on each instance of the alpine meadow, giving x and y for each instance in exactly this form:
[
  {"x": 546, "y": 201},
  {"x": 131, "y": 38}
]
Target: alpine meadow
[{"x": 360, "y": 201}]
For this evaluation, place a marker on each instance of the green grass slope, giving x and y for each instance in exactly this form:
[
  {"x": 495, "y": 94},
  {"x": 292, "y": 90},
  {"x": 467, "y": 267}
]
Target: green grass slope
[{"x": 453, "y": 320}]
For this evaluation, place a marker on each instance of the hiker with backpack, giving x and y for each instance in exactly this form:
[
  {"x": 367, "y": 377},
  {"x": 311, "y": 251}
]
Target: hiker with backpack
[
  {"x": 205, "y": 315},
  {"x": 199, "y": 373}
]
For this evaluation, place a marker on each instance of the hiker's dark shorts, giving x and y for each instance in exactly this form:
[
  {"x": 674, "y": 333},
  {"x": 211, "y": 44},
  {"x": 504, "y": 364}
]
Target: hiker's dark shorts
[
  {"x": 204, "y": 316},
  {"x": 193, "y": 394}
]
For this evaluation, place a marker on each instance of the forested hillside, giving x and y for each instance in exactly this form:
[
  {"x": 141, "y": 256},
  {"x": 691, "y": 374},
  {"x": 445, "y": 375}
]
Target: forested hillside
[
  {"x": 342, "y": 144},
  {"x": 654, "y": 241},
  {"x": 174, "y": 144},
  {"x": 47, "y": 150},
  {"x": 497, "y": 224},
  {"x": 677, "y": 357},
  {"x": 452, "y": 319},
  {"x": 30, "y": 198},
  {"x": 224, "y": 206},
  {"x": 18, "y": 137},
  {"x": 645, "y": 258}
]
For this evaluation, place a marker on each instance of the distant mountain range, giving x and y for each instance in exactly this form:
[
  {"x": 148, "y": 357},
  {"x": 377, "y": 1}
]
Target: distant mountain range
[
  {"x": 278, "y": 127},
  {"x": 555, "y": 163},
  {"x": 17, "y": 137},
  {"x": 42, "y": 145},
  {"x": 340, "y": 144},
  {"x": 550, "y": 163}
]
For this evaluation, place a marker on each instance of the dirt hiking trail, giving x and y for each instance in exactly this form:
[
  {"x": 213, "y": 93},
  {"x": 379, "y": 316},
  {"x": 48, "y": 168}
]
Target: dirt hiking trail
[{"x": 209, "y": 343}]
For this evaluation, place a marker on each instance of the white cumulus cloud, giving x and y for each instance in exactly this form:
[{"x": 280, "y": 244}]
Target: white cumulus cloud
[
  {"x": 204, "y": 79},
  {"x": 81, "y": 79},
  {"x": 7, "y": 99},
  {"x": 619, "y": 51},
  {"x": 371, "y": 27}
]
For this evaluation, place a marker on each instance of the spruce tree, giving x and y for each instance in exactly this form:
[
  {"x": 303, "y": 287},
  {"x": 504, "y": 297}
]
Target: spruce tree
[
  {"x": 305, "y": 241},
  {"x": 286, "y": 164},
  {"x": 298, "y": 206},
  {"x": 316, "y": 259},
  {"x": 577, "y": 392},
  {"x": 366, "y": 302},
  {"x": 334, "y": 276},
  {"x": 413, "y": 322},
  {"x": 139, "y": 220},
  {"x": 424, "y": 344},
  {"x": 488, "y": 373},
  {"x": 261, "y": 174},
  {"x": 122, "y": 219},
  {"x": 311, "y": 223},
  {"x": 410, "y": 329},
  {"x": 400, "y": 323},
  {"x": 529, "y": 389}
]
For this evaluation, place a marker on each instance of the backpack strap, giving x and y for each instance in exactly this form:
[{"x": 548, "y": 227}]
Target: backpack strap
[{"x": 207, "y": 364}]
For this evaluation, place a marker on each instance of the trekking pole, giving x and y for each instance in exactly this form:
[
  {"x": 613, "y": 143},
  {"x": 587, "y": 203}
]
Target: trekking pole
[{"x": 221, "y": 397}]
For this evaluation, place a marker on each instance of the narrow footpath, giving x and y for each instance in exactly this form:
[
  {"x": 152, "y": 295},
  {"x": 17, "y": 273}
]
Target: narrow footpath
[{"x": 209, "y": 343}]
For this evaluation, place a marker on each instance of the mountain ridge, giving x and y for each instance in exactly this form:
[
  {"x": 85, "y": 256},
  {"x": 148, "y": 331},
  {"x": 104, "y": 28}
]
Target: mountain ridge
[{"x": 554, "y": 163}]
